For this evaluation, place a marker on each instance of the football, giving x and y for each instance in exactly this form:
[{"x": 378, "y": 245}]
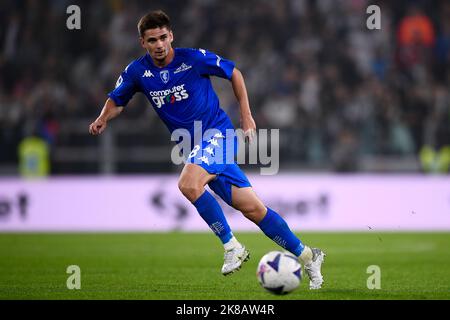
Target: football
[{"x": 279, "y": 272}]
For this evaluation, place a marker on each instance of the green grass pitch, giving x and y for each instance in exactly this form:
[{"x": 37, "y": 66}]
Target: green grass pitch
[{"x": 187, "y": 266}]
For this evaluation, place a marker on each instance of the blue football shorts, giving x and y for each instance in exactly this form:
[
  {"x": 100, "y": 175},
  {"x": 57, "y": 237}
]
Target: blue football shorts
[{"x": 218, "y": 156}]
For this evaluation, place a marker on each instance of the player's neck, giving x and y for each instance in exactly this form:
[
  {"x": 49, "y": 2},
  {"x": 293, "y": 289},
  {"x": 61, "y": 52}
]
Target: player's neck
[{"x": 166, "y": 61}]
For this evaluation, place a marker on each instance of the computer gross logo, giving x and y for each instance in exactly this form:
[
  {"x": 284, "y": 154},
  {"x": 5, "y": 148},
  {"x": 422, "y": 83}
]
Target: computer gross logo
[{"x": 162, "y": 97}]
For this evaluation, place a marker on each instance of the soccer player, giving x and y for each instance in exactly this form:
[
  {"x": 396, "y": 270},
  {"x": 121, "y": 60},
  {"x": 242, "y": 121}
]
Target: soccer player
[{"x": 177, "y": 83}]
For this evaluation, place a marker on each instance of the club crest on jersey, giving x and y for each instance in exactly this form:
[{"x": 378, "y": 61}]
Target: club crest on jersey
[{"x": 164, "y": 75}]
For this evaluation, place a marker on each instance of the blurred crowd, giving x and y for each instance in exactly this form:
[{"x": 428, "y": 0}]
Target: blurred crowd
[{"x": 336, "y": 90}]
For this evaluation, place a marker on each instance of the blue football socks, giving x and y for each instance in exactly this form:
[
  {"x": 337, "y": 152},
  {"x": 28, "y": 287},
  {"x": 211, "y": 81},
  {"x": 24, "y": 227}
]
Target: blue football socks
[
  {"x": 210, "y": 210},
  {"x": 274, "y": 226}
]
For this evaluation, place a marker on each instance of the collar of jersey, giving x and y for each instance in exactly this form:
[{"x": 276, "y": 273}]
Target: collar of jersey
[{"x": 150, "y": 61}]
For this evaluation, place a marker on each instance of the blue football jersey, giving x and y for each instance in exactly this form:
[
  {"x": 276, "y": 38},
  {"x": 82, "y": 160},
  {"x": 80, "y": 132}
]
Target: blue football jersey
[{"x": 180, "y": 92}]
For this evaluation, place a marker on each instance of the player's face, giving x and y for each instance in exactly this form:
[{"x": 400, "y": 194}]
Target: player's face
[{"x": 157, "y": 42}]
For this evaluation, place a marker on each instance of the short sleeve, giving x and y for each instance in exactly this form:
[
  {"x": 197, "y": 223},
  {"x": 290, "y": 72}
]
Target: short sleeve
[
  {"x": 124, "y": 90},
  {"x": 209, "y": 63}
]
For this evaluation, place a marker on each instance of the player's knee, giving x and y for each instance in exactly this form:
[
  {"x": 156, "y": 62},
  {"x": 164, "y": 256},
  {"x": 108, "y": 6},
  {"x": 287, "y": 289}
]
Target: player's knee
[
  {"x": 253, "y": 212},
  {"x": 190, "y": 190}
]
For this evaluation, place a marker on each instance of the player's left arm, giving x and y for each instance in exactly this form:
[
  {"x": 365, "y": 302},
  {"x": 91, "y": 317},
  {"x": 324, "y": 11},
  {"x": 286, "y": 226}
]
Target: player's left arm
[{"x": 240, "y": 91}]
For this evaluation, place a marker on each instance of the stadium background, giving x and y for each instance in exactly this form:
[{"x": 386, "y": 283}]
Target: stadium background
[{"x": 363, "y": 114}]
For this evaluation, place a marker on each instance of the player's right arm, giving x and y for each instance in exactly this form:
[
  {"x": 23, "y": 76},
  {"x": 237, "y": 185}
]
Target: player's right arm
[
  {"x": 118, "y": 98},
  {"x": 110, "y": 110}
]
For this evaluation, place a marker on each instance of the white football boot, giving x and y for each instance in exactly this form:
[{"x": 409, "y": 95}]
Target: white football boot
[
  {"x": 234, "y": 259},
  {"x": 313, "y": 269}
]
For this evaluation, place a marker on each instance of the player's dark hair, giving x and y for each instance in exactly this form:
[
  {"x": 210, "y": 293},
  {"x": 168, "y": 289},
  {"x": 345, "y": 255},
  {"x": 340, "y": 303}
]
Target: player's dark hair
[{"x": 152, "y": 20}]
